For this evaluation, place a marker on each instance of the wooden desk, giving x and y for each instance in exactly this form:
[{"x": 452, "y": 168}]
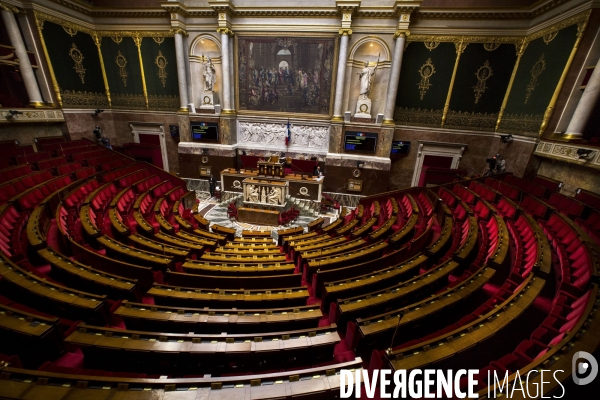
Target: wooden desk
[
  {"x": 364, "y": 228},
  {"x": 308, "y": 383},
  {"x": 407, "y": 291},
  {"x": 466, "y": 250},
  {"x": 90, "y": 279},
  {"x": 403, "y": 234},
  {"x": 344, "y": 230},
  {"x": 263, "y": 234},
  {"x": 258, "y": 217},
  {"x": 37, "y": 226},
  {"x": 119, "y": 228},
  {"x": 244, "y": 245},
  {"x": 186, "y": 350},
  {"x": 195, "y": 248},
  {"x": 25, "y": 287},
  {"x": 218, "y": 298},
  {"x": 383, "y": 231},
  {"x": 372, "y": 251},
  {"x": 379, "y": 329},
  {"x": 253, "y": 240},
  {"x": 345, "y": 246},
  {"x": 313, "y": 187},
  {"x": 89, "y": 227},
  {"x": 283, "y": 233},
  {"x": 204, "y": 235},
  {"x": 440, "y": 245},
  {"x": 248, "y": 251},
  {"x": 157, "y": 318},
  {"x": 229, "y": 233},
  {"x": 136, "y": 256},
  {"x": 234, "y": 282},
  {"x": 287, "y": 239},
  {"x": 142, "y": 225},
  {"x": 315, "y": 225},
  {"x": 178, "y": 253},
  {"x": 205, "y": 241},
  {"x": 333, "y": 226},
  {"x": 236, "y": 269},
  {"x": 270, "y": 258}
]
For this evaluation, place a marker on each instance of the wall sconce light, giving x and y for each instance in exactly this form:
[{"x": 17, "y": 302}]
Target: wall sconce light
[
  {"x": 97, "y": 112},
  {"x": 584, "y": 153},
  {"x": 360, "y": 164},
  {"x": 12, "y": 113},
  {"x": 506, "y": 138}
]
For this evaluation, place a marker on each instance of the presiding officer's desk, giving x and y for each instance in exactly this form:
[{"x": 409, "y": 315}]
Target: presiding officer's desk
[{"x": 305, "y": 189}]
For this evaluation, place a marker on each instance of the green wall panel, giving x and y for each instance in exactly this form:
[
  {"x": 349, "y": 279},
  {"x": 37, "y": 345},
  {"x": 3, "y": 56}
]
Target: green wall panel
[
  {"x": 126, "y": 89},
  {"x": 424, "y": 107},
  {"x": 161, "y": 84},
  {"x": 467, "y": 110},
  {"x": 78, "y": 89},
  {"x": 530, "y": 97}
]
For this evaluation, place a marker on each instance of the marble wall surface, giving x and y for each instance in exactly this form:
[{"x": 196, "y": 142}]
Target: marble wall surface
[
  {"x": 115, "y": 125},
  {"x": 574, "y": 176},
  {"x": 26, "y": 132}
]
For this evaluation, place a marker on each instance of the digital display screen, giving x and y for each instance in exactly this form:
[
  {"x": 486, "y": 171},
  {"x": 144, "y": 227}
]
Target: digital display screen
[
  {"x": 205, "y": 131},
  {"x": 399, "y": 147},
  {"x": 360, "y": 141}
]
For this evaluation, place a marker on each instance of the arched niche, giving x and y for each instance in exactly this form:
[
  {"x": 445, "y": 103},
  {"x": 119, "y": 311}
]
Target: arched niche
[
  {"x": 205, "y": 46},
  {"x": 368, "y": 49}
]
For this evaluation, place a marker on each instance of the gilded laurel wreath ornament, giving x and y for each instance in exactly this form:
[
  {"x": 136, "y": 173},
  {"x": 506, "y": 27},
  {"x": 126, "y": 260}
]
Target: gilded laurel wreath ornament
[
  {"x": 536, "y": 71},
  {"x": 426, "y": 71},
  {"x": 122, "y": 62},
  {"x": 77, "y": 57},
  {"x": 483, "y": 74},
  {"x": 161, "y": 62}
]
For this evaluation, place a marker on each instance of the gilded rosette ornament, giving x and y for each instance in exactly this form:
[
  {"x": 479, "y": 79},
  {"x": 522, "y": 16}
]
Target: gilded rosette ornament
[
  {"x": 426, "y": 71},
  {"x": 161, "y": 62},
  {"x": 78, "y": 59},
  {"x": 483, "y": 74},
  {"x": 536, "y": 71},
  {"x": 122, "y": 63}
]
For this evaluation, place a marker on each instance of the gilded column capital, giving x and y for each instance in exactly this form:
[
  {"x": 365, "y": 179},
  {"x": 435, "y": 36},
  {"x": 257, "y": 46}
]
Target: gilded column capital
[
  {"x": 179, "y": 31},
  {"x": 401, "y": 32},
  {"x": 345, "y": 31},
  {"x": 7, "y": 7},
  {"x": 226, "y": 31}
]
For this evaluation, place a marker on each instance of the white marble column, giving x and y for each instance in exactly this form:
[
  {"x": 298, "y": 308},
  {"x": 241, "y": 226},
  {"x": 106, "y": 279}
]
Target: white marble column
[
  {"x": 390, "y": 101},
  {"x": 33, "y": 91},
  {"x": 226, "y": 95},
  {"x": 231, "y": 78},
  {"x": 341, "y": 76},
  {"x": 585, "y": 107},
  {"x": 181, "y": 73}
]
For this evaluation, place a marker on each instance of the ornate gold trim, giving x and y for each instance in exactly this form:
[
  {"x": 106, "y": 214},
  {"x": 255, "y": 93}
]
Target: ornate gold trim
[
  {"x": 576, "y": 19},
  {"x": 401, "y": 32},
  {"x": 77, "y": 57},
  {"x": 464, "y": 38},
  {"x": 520, "y": 51},
  {"x": 483, "y": 74},
  {"x": 138, "y": 42},
  {"x": 98, "y": 42},
  {"x": 226, "y": 31},
  {"x": 536, "y": 71},
  {"x": 460, "y": 48},
  {"x": 581, "y": 26},
  {"x": 37, "y": 104},
  {"x": 431, "y": 45},
  {"x": 345, "y": 32},
  {"x": 161, "y": 63},
  {"x": 40, "y": 26},
  {"x": 426, "y": 74},
  {"x": 180, "y": 31},
  {"x": 121, "y": 62},
  {"x": 8, "y": 7}
]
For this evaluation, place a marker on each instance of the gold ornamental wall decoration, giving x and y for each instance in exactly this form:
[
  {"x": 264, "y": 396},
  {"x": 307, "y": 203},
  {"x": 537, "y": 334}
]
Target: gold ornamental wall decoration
[
  {"x": 536, "y": 71},
  {"x": 483, "y": 74},
  {"x": 158, "y": 40},
  {"x": 426, "y": 71},
  {"x": 122, "y": 62},
  {"x": 431, "y": 45},
  {"x": 491, "y": 46},
  {"x": 548, "y": 37},
  {"x": 117, "y": 39},
  {"x": 78, "y": 58},
  {"x": 71, "y": 31},
  {"x": 161, "y": 62}
]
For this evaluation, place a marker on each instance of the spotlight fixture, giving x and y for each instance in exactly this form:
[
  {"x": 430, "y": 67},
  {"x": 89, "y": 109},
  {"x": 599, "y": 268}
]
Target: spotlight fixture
[
  {"x": 12, "y": 113},
  {"x": 97, "y": 112},
  {"x": 360, "y": 164},
  {"x": 506, "y": 138},
  {"x": 584, "y": 153}
]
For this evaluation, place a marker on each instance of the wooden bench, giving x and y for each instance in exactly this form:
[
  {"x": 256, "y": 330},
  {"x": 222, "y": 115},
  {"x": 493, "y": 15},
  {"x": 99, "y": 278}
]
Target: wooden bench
[
  {"x": 234, "y": 282},
  {"x": 136, "y": 256}
]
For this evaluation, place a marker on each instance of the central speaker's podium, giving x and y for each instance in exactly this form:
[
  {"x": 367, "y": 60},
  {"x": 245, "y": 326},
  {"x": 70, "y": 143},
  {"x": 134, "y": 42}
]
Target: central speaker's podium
[{"x": 272, "y": 167}]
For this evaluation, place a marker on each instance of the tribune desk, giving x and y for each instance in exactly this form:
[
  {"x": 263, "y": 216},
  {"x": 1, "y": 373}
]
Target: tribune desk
[{"x": 306, "y": 189}]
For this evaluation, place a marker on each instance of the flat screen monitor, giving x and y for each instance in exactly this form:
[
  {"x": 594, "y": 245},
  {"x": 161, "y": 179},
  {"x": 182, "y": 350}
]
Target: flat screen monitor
[
  {"x": 360, "y": 141},
  {"x": 400, "y": 147},
  {"x": 205, "y": 131}
]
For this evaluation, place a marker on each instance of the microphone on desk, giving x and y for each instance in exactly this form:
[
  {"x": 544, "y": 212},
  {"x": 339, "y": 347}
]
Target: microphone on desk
[{"x": 389, "y": 350}]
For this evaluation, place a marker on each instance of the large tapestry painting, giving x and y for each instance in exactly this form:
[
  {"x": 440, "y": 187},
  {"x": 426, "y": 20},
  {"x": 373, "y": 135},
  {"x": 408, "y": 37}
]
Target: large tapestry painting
[{"x": 285, "y": 74}]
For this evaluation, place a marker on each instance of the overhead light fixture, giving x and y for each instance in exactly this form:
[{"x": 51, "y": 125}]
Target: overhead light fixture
[
  {"x": 12, "y": 113},
  {"x": 506, "y": 138},
  {"x": 584, "y": 153},
  {"x": 97, "y": 112}
]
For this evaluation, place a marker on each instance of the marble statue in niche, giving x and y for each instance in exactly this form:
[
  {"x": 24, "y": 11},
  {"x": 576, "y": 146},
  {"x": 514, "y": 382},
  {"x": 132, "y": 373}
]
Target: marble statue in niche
[
  {"x": 363, "y": 105},
  {"x": 209, "y": 75}
]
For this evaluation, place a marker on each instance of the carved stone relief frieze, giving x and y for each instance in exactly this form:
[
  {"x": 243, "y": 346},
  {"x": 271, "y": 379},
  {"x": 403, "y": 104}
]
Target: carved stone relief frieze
[{"x": 301, "y": 136}]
